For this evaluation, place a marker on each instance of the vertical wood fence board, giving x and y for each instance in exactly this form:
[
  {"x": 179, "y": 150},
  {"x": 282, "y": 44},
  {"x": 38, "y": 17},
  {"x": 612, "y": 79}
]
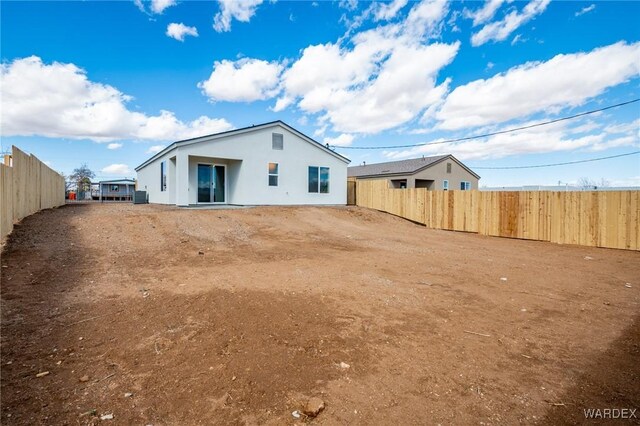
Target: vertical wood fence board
[
  {"x": 27, "y": 186},
  {"x": 597, "y": 219},
  {"x": 6, "y": 200}
]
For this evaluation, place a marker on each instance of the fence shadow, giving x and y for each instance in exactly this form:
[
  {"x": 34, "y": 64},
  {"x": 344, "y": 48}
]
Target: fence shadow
[{"x": 611, "y": 381}]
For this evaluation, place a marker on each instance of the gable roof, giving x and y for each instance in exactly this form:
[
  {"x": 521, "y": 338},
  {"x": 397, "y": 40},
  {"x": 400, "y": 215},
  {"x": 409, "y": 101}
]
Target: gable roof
[
  {"x": 242, "y": 130},
  {"x": 403, "y": 167}
]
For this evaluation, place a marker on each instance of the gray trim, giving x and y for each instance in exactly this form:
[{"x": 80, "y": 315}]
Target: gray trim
[{"x": 237, "y": 132}]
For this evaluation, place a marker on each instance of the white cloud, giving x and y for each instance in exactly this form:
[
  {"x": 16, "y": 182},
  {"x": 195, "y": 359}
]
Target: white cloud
[
  {"x": 155, "y": 149},
  {"x": 387, "y": 11},
  {"x": 500, "y": 30},
  {"x": 58, "y": 100},
  {"x": 348, "y": 4},
  {"x": 343, "y": 139},
  {"x": 244, "y": 80},
  {"x": 485, "y": 13},
  {"x": 518, "y": 39},
  {"x": 114, "y": 145},
  {"x": 240, "y": 10},
  {"x": 376, "y": 79},
  {"x": 179, "y": 31},
  {"x": 563, "y": 81},
  {"x": 117, "y": 170},
  {"x": 155, "y": 128},
  {"x": 551, "y": 138},
  {"x": 586, "y": 9},
  {"x": 632, "y": 127},
  {"x": 158, "y": 6}
]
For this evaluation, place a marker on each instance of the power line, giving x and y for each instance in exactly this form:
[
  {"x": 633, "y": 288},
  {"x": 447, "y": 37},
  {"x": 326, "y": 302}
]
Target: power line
[
  {"x": 515, "y": 129},
  {"x": 556, "y": 164}
]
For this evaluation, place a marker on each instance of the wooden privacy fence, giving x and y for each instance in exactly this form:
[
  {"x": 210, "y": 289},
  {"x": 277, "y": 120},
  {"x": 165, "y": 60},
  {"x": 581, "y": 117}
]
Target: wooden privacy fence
[
  {"x": 27, "y": 186},
  {"x": 589, "y": 218}
]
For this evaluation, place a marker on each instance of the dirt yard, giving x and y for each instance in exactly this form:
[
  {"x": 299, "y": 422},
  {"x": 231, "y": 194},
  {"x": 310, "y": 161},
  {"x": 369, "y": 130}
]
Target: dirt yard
[{"x": 165, "y": 316}]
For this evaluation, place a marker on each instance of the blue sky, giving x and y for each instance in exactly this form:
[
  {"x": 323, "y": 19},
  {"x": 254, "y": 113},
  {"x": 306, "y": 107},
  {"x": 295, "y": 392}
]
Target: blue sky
[{"x": 109, "y": 83}]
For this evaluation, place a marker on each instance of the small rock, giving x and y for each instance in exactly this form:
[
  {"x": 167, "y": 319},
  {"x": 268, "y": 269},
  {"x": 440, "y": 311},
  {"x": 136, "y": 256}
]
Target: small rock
[
  {"x": 84, "y": 378},
  {"x": 523, "y": 310},
  {"x": 80, "y": 338},
  {"x": 59, "y": 362},
  {"x": 9, "y": 362},
  {"x": 503, "y": 279},
  {"x": 106, "y": 417},
  {"x": 296, "y": 414},
  {"x": 314, "y": 407},
  {"x": 44, "y": 373},
  {"x": 201, "y": 252},
  {"x": 344, "y": 365},
  {"x": 233, "y": 378},
  {"x": 627, "y": 285},
  {"x": 128, "y": 395},
  {"x": 588, "y": 258}
]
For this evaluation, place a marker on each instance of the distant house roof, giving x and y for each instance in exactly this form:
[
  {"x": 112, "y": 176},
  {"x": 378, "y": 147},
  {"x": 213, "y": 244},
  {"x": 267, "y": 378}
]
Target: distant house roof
[
  {"x": 240, "y": 131},
  {"x": 404, "y": 167},
  {"x": 119, "y": 182}
]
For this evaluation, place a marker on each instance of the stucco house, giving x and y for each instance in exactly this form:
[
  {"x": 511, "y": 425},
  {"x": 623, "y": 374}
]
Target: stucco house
[
  {"x": 266, "y": 164},
  {"x": 442, "y": 172}
]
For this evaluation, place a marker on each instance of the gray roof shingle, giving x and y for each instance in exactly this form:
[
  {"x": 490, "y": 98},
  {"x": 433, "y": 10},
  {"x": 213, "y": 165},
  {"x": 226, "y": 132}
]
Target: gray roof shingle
[{"x": 394, "y": 167}]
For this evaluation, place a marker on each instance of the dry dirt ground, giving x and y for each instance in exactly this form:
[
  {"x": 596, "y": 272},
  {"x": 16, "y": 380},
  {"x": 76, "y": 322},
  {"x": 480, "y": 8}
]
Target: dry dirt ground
[{"x": 240, "y": 316}]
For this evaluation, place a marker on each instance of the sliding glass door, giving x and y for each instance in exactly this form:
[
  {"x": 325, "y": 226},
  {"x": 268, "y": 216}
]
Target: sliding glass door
[{"x": 211, "y": 183}]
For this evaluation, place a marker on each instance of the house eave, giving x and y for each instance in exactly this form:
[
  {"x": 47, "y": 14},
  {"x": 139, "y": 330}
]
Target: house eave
[{"x": 207, "y": 138}]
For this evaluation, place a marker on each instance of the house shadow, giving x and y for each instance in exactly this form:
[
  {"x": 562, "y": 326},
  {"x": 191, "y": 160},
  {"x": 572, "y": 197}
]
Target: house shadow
[{"x": 611, "y": 381}]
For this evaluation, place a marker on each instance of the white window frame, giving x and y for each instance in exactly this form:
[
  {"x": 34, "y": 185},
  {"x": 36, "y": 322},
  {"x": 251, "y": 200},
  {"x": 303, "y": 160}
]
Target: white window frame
[
  {"x": 445, "y": 185},
  {"x": 276, "y": 174},
  {"x": 465, "y": 185}
]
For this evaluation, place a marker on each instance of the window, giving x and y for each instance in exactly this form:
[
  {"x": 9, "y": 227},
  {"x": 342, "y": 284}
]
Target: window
[
  {"x": 445, "y": 185},
  {"x": 277, "y": 141},
  {"x": 273, "y": 174},
  {"x": 163, "y": 175},
  {"x": 115, "y": 188},
  {"x": 465, "y": 186},
  {"x": 448, "y": 167},
  {"x": 319, "y": 179},
  {"x": 324, "y": 180}
]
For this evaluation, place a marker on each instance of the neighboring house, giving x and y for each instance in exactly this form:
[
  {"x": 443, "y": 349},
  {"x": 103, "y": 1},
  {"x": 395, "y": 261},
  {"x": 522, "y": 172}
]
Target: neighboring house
[
  {"x": 113, "y": 190},
  {"x": 267, "y": 164},
  {"x": 442, "y": 172}
]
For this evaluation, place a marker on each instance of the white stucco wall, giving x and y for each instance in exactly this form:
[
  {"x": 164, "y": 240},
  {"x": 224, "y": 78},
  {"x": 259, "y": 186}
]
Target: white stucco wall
[{"x": 247, "y": 156}]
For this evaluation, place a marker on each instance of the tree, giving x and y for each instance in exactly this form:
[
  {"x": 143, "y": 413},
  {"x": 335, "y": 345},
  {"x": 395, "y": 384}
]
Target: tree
[
  {"x": 589, "y": 184},
  {"x": 81, "y": 177},
  {"x": 81, "y": 174}
]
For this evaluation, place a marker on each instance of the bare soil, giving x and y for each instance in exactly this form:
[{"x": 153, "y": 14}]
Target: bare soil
[{"x": 240, "y": 316}]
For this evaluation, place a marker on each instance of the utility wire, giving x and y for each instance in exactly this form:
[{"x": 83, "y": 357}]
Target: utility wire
[
  {"x": 556, "y": 164},
  {"x": 515, "y": 129}
]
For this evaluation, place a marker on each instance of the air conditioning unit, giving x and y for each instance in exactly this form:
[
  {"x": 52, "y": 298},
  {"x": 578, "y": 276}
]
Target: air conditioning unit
[{"x": 140, "y": 197}]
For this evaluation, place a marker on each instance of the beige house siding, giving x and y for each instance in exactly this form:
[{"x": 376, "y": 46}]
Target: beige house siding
[{"x": 433, "y": 177}]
